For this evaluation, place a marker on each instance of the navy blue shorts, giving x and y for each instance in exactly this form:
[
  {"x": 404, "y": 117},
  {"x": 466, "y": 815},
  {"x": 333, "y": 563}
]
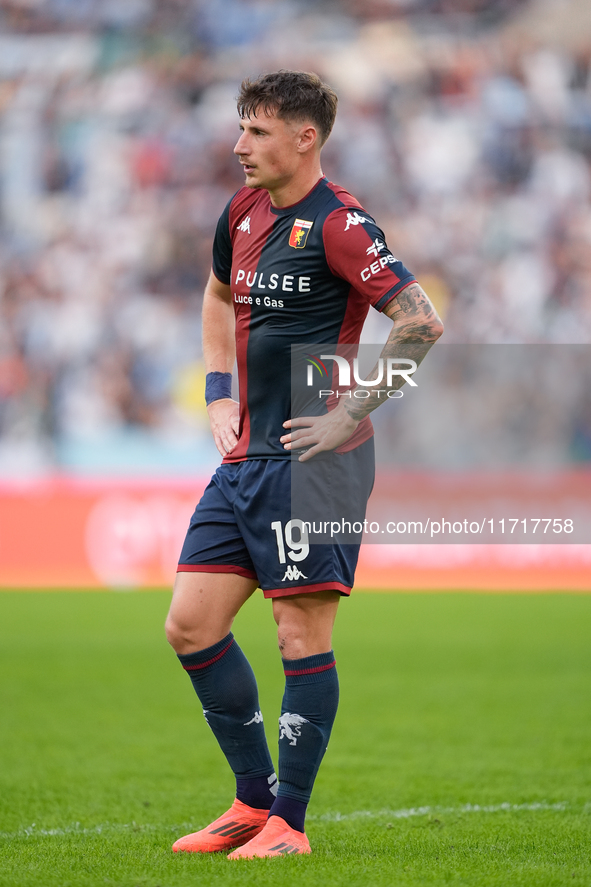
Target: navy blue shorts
[{"x": 260, "y": 519}]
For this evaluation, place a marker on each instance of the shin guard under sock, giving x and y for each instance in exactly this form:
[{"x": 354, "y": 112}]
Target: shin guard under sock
[
  {"x": 307, "y": 715},
  {"x": 227, "y": 689}
]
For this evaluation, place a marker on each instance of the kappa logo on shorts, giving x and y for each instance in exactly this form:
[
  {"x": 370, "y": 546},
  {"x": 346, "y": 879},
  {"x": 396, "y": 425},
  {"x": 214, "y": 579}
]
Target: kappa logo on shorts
[
  {"x": 293, "y": 574},
  {"x": 258, "y": 719}
]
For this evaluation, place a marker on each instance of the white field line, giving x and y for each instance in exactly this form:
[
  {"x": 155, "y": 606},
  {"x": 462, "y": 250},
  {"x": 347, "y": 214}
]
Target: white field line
[
  {"x": 76, "y": 829},
  {"x": 106, "y": 827},
  {"x": 437, "y": 811}
]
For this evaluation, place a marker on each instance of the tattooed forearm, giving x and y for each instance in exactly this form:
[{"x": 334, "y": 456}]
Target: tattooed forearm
[
  {"x": 416, "y": 327},
  {"x": 415, "y": 318}
]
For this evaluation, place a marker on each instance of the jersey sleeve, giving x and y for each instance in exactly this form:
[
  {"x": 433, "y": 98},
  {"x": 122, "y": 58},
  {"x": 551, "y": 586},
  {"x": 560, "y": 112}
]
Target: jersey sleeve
[
  {"x": 356, "y": 251},
  {"x": 222, "y": 247}
]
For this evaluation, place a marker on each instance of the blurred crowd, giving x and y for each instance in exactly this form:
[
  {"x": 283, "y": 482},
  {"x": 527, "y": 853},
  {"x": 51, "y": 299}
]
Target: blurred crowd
[{"x": 467, "y": 138}]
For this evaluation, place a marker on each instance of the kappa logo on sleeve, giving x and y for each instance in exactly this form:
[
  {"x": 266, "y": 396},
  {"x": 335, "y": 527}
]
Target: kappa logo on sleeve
[
  {"x": 355, "y": 219},
  {"x": 299, "y": 233}
]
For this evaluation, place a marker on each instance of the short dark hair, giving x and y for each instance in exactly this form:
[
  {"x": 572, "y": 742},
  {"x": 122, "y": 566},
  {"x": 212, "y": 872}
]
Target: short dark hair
[{"x": 291, "y": 95}]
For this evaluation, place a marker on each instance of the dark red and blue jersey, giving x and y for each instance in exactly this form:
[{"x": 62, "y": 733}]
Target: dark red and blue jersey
[{"x": 299, "y": 274}]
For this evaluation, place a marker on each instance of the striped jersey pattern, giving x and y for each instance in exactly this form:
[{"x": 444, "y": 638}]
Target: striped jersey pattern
[{"x": 306, "y": 273}]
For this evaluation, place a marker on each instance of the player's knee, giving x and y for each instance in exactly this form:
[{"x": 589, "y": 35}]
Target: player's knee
[
  {"x": 180, "y": 637},
  {"x": 188, "y": 636},
  {"x": 293, "y": 641},
  {"x": 173, "y": 632},
  {"x": 305, "y": 622}
]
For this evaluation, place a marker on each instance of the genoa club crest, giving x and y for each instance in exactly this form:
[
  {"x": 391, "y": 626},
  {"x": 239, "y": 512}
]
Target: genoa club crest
[{"x": 299, "y": 233}]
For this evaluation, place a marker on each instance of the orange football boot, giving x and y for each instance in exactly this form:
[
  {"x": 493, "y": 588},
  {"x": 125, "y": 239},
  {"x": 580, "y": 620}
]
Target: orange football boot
[
  {"x": 238, "y": 825},
  {"x": 276, "y": 839}
]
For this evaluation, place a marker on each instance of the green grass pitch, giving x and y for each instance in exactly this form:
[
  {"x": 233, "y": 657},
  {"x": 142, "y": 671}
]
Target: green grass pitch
[{"x": 461, "y": 752}]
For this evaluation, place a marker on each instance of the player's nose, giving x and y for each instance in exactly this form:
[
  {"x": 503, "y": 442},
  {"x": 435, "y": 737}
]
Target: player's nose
[{"x": 241, "y": 146}]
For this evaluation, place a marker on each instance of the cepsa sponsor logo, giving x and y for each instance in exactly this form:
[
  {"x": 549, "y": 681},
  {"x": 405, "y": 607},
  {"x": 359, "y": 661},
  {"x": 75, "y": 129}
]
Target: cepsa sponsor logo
[{"x": 381, "y": 261}]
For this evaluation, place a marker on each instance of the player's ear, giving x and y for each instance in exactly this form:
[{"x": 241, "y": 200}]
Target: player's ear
[{"x": 307, "y": 138}]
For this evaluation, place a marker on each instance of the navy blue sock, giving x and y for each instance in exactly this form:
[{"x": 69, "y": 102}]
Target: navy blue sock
[
  {"x": 257, "y": 791},
  {"x": 227, "y": 689},
  {"x": 307, "y": 715}
]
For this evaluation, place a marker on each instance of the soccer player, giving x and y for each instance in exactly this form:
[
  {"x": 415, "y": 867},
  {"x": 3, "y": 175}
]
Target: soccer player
[{"x": 296, "y": 260}]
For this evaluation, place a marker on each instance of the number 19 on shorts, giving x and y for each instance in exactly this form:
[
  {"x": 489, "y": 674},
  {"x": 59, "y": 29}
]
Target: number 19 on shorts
[{"x": 298, "y": 548}]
